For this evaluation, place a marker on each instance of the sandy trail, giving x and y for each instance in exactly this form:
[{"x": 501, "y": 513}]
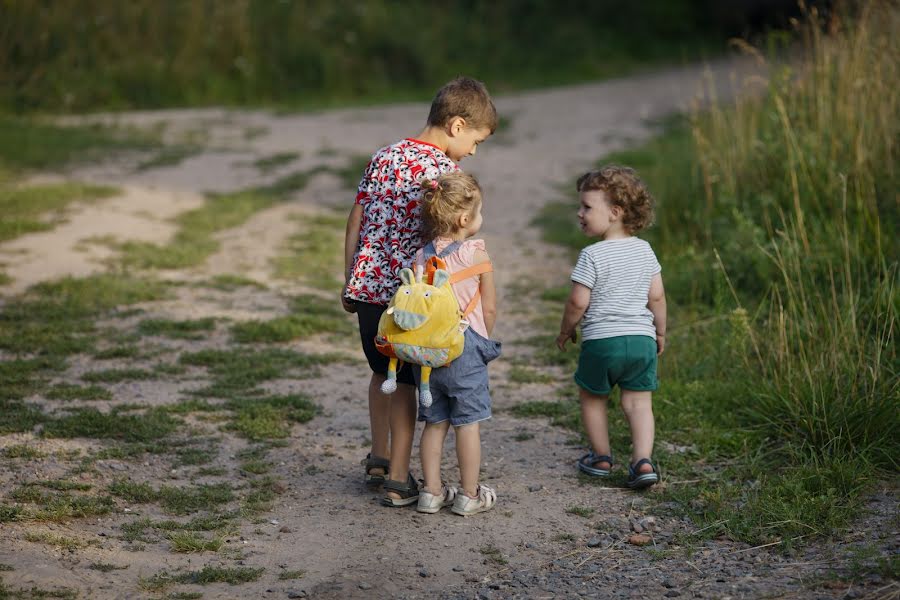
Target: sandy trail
[{"x": 327, "y": 525}]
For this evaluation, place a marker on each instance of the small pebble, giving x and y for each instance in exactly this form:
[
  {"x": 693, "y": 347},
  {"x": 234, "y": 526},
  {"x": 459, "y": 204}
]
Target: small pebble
[
  {"x": 535, "y": 488},
  {"x": 365, "y": 586},
  {"x": 594, "y": 542},
  {"x": 672, "y": 594},
  {"x": 458, "y": 569}
]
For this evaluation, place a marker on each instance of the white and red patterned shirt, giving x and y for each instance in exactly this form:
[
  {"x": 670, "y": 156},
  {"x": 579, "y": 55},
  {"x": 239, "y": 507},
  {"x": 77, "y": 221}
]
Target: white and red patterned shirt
[{"x": 390, "y": 233}]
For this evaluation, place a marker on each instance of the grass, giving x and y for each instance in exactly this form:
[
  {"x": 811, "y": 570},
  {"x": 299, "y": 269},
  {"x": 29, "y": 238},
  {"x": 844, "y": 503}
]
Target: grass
[
  {"x": 33, "y": 143},
  {"x": 117, "y": 375},
  {"x": 114, "y": 352},
  {"x": 287, "y": 59},
  {"x": 58, "y": 541},
  {"x": 493, "y": 555},
  {"x": 174, "y": 500},
  {"x": 228, "y": 283},
  {"x": 33, "y": 208},
  {"x": 580, "y": 511},
  {"x": 309, "y": 315},
  {"x": 237, "y": 372},
  {"x": 191, "y": 329},
  {"x": 23, "y": 451},
  {"x": 523, "y": 374},
  {"x": 290, "y": 575},
  {"x": 169, "y": 156},
  {"x": 151, "y": 426},
  {"x": 781, "y": 373},
  {"x": 106, "y": 567},
  {"x": 61, "y": 507},
  {"x": 271, "y": 417},
  {"x": 57, "y": 318},
  {"x": 275, "y": 161},
  {"x": 195, "y": 239},
  {"x": 310, "y": 255},
  {"x": 206, "y": 575},
  {"x": 188, "y": 542}
]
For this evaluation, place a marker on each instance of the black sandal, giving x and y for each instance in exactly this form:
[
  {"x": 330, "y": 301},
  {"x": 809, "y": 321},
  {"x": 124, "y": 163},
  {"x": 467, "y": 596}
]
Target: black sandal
[
  {"x": 586, "y": 464},
  {"x": 408, "y": 492},
  {"x": 638, "y": 480},
  {"x": 376, "y": 462}
]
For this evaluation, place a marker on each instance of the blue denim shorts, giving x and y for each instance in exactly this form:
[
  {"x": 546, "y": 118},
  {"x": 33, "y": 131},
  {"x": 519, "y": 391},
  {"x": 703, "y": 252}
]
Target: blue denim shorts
[{"x": 460, "y": 390}]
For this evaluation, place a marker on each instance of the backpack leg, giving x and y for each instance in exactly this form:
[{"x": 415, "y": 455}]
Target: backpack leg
[
  {"x": 424, "y": 388},
  {"x": 390, "y": 384}
]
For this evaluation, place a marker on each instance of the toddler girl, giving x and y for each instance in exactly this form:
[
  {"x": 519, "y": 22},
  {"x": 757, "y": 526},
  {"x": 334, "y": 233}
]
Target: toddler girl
[{"x": 451, "y": 213}]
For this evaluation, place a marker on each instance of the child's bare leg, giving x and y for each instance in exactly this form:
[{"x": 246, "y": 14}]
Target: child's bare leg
[
  {"x": 403, "y": 428},
  {"x": 379, "y": 419},
  {"x": 596, "y": 423},
  {"x": 431, "y": 448},
  {"x": 468, "y": 453},
  {"x": 638, "y": 408}
]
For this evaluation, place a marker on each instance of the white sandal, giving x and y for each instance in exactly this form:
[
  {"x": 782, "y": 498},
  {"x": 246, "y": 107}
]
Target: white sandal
[
  {"x": 466, "y": 506},
  {"x": 430, "y": 503}
]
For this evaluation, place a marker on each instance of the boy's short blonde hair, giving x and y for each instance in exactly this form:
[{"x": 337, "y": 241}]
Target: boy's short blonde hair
[
  {"x": 623, "y": 188},
  {"x": 444, "y": 200},
  {"x": 467, "y": 98}
]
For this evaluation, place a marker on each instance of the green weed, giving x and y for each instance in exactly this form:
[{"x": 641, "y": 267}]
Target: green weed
[
  {"x": 70, "y": 391},
  {"x": 90, "y": 423},
  {"x": 313, "y": 255},
  {"x": 275, "y": 161},
  {"x": 57, "y": 318},
  {"x": 289, "y": 575},
  {"x": 310, "y": 315},
  {"x": 117, "y": 375},
  {"x": 185, "y": 541},
  {"x": 193, "y": 329},
  {"x": 211, "y": 574},
  {"x": 28, "y": 209}
]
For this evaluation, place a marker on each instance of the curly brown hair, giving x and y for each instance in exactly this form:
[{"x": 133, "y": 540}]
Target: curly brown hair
[
  {"x": 444, "y": 200},
  {"x": 623, "y": 188}
]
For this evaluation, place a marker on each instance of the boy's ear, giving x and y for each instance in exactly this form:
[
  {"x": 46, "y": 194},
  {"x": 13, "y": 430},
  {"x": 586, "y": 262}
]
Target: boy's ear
[{"x": 456, "y": 126}]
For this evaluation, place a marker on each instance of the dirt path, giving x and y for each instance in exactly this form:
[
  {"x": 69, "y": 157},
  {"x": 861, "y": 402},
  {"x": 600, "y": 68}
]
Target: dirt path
[{"x": 325, "y": 523}]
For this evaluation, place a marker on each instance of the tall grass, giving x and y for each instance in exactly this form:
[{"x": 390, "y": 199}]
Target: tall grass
[
  {"x": 777, "y": 229},
  {"x": 811, "y": 169}
]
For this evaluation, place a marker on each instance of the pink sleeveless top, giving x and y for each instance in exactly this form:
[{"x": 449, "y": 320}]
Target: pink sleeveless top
[{"x": 464, "y": 257}]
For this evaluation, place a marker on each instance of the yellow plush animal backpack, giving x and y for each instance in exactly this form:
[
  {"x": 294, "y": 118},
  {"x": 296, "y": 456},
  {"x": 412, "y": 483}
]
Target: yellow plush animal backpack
[{"x": 423, "y": 324}]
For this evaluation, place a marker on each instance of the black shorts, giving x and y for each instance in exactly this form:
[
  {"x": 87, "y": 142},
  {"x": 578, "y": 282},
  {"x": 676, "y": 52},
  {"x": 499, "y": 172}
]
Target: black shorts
[{"x": 369, "y": 315}]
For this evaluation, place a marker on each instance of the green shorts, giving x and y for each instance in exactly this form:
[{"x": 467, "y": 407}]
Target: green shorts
[{"x": 628, "y": 361}]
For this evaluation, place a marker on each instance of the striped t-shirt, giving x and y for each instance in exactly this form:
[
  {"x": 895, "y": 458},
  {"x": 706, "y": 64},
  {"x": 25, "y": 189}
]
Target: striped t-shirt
[{"x": 618, "y": 272}]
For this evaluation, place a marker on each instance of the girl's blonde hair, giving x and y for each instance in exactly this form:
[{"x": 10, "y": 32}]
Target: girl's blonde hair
[
  {"x": 445, "y": 199},
  {"x": 623, "y": 188}
]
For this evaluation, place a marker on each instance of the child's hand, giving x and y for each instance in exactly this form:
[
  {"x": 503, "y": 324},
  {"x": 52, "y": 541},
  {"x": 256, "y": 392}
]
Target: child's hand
[
  {"x": 562, "y": 338},
  {"x": 660, "y": 344},
  {"x": 348, "y": 304}
]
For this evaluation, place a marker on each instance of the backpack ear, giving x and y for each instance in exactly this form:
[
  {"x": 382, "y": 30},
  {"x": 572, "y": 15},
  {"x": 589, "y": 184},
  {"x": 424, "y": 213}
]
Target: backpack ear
[
  {"x": 440, "y": 278},
  {"x": 406, "y": 276}
]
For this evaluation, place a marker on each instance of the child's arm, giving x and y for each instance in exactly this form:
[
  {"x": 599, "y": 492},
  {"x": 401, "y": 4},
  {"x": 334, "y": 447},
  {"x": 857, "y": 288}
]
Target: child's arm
[
  {"x": 488, "y": 293},
  {"x": 576, "y": 305},
  {"x": 351, "y": 241},
  {"x": 656, "y": 302}
]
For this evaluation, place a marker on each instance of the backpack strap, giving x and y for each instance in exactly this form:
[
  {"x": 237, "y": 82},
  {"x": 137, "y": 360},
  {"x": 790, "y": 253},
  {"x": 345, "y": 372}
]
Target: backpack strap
[
  {"x": 437, "y": 259},
  {"x": 429, "y": 250},
  {"x": 485, "y": 267}
]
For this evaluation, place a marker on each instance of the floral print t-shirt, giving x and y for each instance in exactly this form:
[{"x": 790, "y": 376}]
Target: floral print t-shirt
[{"x": 390, "y": 232}]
